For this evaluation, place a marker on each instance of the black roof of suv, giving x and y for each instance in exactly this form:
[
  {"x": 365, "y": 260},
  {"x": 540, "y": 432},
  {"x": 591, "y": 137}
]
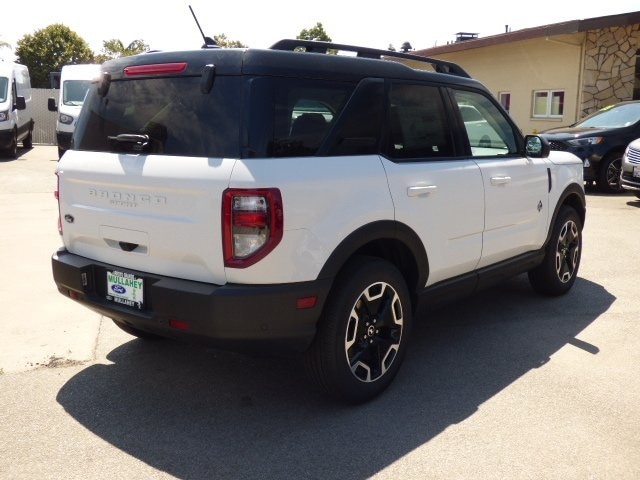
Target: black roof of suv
[{"x": 278, "y": 60}]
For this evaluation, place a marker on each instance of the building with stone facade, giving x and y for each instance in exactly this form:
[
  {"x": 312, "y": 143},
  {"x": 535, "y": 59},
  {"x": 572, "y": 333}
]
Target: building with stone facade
[{"x": 554, "y": 75}]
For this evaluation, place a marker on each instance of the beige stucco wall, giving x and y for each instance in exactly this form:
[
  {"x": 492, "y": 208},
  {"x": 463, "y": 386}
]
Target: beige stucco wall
[{"x": 537, "y": 64}]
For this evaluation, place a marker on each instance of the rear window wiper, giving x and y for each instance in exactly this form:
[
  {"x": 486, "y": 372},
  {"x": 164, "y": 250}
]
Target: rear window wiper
[{"x": 130, "y": 142}]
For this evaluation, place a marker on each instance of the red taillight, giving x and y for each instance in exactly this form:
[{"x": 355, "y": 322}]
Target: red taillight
[
  {"x": 155, "y": 69},
  {"x": 252, "y": 224}
]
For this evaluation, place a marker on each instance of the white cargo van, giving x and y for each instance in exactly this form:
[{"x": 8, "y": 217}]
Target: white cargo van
[
  {"x": 74, "y": 82},
  {"x": 16, "y": 119}
]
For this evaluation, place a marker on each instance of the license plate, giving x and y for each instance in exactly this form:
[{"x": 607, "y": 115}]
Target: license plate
[
  {"x": 636, "y": 171},
  {"x": 125, "y": 288}
]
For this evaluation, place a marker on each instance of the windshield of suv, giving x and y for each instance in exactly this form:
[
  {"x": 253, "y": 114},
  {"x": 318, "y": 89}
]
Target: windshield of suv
[
  {"x": 613, "y": 117},
  {"x": 4, "y": 83},
  {"x": 172, "y": 113},
  {"x": 74, "y": 92}
]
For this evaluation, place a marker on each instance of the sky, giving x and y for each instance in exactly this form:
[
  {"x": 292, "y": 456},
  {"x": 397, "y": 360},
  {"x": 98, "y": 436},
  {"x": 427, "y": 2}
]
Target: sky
[{"x": 169, "y": 25}]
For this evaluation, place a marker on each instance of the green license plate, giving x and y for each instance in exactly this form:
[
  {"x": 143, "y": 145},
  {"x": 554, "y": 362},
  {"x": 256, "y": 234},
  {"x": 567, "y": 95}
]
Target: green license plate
[{"x": 125, "y": 288}]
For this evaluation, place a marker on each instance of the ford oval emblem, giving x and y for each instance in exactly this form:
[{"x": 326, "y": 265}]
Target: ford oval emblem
[{"x": 118, "y": 289}]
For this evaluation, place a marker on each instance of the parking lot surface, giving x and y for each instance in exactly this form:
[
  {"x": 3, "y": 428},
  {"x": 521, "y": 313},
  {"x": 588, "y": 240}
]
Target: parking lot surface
[{"x": 505, "y": 384}]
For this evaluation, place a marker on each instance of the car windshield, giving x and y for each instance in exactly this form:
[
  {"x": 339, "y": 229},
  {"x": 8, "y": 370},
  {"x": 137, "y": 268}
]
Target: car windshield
[
  {"x": 4, "y": 82},
  {"x": 615, "y": 116},
  {"x": 75, "y": 91}
]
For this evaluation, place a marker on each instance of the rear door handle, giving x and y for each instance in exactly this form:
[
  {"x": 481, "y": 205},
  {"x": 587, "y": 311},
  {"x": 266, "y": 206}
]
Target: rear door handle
[
  {"x": 500, "y": 180},
  {"x": 418, "y": 190}
]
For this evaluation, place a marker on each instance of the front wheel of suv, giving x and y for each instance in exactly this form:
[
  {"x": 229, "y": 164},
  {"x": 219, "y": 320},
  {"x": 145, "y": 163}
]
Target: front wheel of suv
[
  {"x": 362, "y": 335},
  {"x": 559, "y": 269},
  {"x": 609, "y": 174}
]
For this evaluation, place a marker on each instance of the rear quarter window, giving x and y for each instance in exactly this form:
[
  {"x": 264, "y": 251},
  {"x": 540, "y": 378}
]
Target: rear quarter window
[{"x": 289, "y": 117}]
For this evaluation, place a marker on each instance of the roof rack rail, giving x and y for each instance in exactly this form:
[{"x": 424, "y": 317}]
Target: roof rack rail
[{"x": 315, "y": 46}]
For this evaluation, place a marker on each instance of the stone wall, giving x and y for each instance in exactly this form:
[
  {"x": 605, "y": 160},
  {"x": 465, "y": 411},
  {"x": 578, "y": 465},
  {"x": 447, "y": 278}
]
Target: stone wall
[{"x": 609, "y": 67}]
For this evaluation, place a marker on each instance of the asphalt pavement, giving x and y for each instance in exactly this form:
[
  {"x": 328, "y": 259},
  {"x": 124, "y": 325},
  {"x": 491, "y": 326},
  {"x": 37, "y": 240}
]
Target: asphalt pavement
[{"x": 504, "y": 384}]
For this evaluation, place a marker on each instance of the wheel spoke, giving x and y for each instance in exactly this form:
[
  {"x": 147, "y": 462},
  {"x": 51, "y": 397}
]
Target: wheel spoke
[
  {"x": 567, "y": 252},
  {"x": 374, "y": 332}
]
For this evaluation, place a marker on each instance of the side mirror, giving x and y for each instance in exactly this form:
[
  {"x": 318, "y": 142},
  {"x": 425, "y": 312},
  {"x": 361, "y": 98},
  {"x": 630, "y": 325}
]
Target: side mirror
[
  {"x": 51, "y": 104},
  {"x": 21, "y": 104},
  {"x": 536, "y": 146}
]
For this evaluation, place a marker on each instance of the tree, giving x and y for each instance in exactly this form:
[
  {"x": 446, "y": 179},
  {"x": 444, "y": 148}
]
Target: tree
[
  {"x": 114, "y": 48},
  {"x": 49, "y": 49},
  {"x": 314, "y": 33},
  {"x": 224, "y": 42}
]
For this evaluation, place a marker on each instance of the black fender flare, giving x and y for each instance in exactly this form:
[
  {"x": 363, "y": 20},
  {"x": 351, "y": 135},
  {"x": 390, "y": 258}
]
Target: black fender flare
[
  {"x": 573, "y": 196},
  {"x": 383, "y": 230}
]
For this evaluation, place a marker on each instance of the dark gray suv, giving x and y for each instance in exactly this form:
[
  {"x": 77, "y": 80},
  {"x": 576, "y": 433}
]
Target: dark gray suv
[{"x": 600, "y": 140}]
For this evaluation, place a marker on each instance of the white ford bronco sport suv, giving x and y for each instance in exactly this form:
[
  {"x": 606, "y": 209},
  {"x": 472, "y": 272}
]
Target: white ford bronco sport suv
[{"x": 295, "y": 201}]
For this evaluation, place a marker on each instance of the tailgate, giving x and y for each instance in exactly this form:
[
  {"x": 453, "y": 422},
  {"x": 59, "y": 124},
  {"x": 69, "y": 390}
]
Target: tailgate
[{"x": 156, "y": 214}]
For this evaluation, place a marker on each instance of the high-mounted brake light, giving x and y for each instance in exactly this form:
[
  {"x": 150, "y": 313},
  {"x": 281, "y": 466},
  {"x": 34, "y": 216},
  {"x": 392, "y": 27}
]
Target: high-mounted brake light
[
  {"x": 252, "y": 224},
  {"x": 155, "y": 69}
]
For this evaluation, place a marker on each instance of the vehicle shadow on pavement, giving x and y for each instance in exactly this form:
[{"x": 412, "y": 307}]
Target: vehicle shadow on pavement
[{"x": 200, "y": 413}]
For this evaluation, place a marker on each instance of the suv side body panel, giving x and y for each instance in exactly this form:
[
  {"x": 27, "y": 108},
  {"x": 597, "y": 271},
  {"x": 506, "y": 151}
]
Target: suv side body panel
[
  {"x": 442, "y": 201},
  {"x": 517, "y": 207},
  {"x": 325, "y": 199}
]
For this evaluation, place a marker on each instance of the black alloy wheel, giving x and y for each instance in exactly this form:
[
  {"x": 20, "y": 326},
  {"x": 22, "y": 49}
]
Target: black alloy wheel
[
  {"x": 609, "y": 181},
  {"x": 363, "y": 332},
  {"x": 559, "y": 268}
]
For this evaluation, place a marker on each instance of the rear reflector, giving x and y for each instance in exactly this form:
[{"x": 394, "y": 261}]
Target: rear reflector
[
  {"x": 155, "y": 69},
  {"x": 306, "y": 302},
  {"x": 179, "y": 324}
]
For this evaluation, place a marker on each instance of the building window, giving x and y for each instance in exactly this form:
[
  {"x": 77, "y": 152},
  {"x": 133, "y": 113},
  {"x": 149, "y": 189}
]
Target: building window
[
  {"x": 505, "y": 100},
  {"x": 548, "y": 103}
]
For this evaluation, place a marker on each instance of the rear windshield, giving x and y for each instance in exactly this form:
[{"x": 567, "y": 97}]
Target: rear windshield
[{"x": 171, "y": 113}]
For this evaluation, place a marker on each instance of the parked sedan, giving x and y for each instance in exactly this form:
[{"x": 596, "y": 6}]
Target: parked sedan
[
  {"x": 600, "y": 140},
  {"x": 630, "y": 178}
]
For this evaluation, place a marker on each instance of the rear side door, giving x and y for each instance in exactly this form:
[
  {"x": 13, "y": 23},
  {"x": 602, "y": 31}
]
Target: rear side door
[
  {"x": 516, "y": 188},
  {"x": 436, "y": 192}
]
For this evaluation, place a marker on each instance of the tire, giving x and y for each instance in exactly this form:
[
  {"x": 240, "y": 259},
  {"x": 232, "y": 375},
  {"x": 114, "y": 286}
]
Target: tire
[
  {"x": 637, "y": 194},
  {"x": 609, "y": 174},
  {"x": 363, "y": 333},
  {"x": 135, "y": 332},
  {"x": 27, "y": 142},
  {"x": 12, "y": 151},
  {"x": 558, "y": 271}
]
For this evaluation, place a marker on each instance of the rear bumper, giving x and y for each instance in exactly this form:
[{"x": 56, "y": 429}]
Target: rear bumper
[{"x": 236, "y": 317}]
